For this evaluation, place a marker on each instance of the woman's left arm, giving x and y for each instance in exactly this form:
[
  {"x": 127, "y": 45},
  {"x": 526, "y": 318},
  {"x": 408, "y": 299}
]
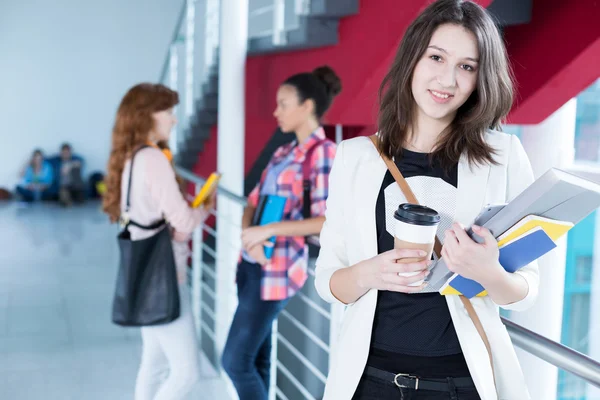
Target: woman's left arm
[
  {"x": 305, "y": 227},
  {"x": 516, "y": 291},
  {"x": 323, "y": 157}
]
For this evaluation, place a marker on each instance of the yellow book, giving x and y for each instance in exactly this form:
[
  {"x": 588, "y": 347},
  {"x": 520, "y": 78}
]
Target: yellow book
[
  {"x": 207, "y": 190},
  {"x": 449, "y": 290},
  {"x": 554, "y": 229}
]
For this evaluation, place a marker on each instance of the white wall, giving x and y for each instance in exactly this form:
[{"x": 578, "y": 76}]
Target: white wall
[{"x": 64, "y": 66}]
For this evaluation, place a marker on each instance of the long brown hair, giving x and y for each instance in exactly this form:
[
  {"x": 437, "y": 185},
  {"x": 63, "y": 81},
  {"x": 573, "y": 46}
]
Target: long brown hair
[
  {"x": 132, "y": 127},
  {"x": 485, "y": 109}
]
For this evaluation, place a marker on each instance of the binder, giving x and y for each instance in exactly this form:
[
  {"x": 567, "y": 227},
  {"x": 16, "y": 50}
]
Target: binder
[
  {"x": 270, "y": 209},
  {"x": 559, "y": 197}
]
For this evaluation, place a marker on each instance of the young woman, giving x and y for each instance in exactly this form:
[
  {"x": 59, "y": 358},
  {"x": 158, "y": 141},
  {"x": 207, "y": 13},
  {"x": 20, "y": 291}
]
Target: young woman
[
  {"x": 37, "y": 178},
  {"x": 144, "y": 120},
  {"x": 266, "y": 285},
  {"x": 449, "y": 83}
]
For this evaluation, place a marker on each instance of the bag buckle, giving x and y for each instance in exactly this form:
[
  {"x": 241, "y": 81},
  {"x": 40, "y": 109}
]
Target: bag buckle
[
  {"x": 124, "y": 220},
  {"x": 416, "y": 378}
]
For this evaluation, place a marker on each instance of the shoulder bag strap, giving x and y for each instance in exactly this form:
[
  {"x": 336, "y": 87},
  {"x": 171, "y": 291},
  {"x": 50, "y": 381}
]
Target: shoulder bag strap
[
  {"x": 410, "y": 196},
  {"x": 127, "y": 221}
]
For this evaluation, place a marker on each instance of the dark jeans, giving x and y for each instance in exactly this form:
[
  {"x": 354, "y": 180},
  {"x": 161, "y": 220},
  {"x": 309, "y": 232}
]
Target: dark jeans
[
  {"x": 247, "y": 354},
  {"x": 371, "y": 388},
  {"x": 31, "y": 195}
]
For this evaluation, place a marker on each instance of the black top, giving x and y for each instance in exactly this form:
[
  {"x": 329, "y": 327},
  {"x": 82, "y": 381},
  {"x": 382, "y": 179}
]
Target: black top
[{"x": 414, "y": 333}]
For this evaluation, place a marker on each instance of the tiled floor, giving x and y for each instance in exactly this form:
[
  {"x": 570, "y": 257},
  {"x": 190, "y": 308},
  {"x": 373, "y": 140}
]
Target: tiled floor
[{"x": 57, "y": 271}]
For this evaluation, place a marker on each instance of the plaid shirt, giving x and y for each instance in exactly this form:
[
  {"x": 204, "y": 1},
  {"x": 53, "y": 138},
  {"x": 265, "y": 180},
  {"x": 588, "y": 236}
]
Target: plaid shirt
[{"x": 286, "y": 273}]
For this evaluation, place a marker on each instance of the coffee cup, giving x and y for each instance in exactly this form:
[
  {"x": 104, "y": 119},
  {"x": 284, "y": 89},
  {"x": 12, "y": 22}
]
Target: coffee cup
[{"x": 415, "y": 229}]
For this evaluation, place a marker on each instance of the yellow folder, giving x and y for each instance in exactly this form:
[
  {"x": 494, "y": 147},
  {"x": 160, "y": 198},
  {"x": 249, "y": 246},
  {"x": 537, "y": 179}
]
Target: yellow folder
[
  {"x": 554, "y": 229},
  {"x": 207, "y": 190}
]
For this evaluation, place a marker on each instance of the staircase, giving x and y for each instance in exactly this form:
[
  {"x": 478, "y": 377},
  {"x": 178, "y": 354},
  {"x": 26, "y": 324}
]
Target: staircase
[{"x": 315, "y": 24}]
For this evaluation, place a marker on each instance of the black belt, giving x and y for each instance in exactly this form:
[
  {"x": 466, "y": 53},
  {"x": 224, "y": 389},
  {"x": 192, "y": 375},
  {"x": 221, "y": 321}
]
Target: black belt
[{"x": 412, "y": 382}]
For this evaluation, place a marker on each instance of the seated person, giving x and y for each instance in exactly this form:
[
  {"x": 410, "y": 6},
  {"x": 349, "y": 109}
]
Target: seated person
[
  {"x": 71, "y": 186},
  {"x": 36, "y": 180}
]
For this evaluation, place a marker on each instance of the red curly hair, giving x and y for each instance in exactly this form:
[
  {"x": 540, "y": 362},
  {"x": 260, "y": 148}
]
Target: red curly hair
[{"x": 132, "y": 128}]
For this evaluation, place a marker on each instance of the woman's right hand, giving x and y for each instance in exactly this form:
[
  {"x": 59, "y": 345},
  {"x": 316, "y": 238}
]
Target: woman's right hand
[
  {"x": 381, "y": 271},
  {"x": 258, "y": 254}
]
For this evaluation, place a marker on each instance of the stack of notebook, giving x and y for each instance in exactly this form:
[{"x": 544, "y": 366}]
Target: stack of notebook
[{"x": 524, "y": 242}]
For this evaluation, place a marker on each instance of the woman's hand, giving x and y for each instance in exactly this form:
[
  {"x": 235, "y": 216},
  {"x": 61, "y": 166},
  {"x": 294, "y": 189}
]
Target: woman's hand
[
  {"x": 255, "y": 236},
  {"x": 181, "y": 236},
  {"x": 258, "y": 254},
  {"x": 381, "y": 272},
  {"x": 470, "y": 259},
  {"x": 211, "y": 202}
]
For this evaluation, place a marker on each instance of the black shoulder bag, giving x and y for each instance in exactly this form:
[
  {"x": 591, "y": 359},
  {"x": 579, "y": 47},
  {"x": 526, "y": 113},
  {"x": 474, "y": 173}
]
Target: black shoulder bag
[{"x": 147, "y": 291}]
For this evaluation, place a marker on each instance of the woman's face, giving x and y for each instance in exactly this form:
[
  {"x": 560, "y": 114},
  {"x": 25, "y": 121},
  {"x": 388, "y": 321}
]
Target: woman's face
[
  {"x": 446, "y": 76},
  {"x": 164, "y": 121},
  {"x": 290, "y": 114}
]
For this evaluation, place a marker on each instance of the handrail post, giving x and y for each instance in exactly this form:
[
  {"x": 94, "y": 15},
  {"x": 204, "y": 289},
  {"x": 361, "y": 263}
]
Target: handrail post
[
  {"x": 273, "y": 372},
  {"x": 279, "y": 34},
  {"x": 197, "y": 265}
]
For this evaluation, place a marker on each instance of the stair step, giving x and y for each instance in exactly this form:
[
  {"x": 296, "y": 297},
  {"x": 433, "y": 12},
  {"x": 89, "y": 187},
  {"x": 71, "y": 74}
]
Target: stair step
[
  {"x": 206, "y": 117},
  {"x": 331, "y": 8},
  {"x": 208, "y": 102},
  {"x": 312, "y": 33},
  {"x": 211, "y": 86}
]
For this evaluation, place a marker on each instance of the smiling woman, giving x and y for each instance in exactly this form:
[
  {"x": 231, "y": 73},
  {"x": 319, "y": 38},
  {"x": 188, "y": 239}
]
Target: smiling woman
[
  {"x": 448, "y": 86},
  {"x": 458, "y": 79}
]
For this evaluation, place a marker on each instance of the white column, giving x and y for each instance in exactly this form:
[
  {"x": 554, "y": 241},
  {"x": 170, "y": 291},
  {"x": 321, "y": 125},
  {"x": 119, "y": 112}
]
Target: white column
[
  {"x": 230, "y": 154},
  {"x": 548, "y": 144}
]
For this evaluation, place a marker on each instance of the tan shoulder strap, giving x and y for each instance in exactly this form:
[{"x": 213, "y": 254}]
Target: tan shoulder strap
[
  {"x": 477, "y": 322},
  {"x": 410, "y": 196},
  {"x": 406, "y": 190}
]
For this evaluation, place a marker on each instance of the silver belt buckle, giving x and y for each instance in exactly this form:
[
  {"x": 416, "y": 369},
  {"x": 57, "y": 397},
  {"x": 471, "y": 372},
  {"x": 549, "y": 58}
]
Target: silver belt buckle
[{"x": 406, "y": 376}]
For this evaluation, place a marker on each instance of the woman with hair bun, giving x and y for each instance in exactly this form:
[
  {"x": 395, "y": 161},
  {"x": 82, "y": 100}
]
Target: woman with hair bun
[{"x": 299, "y": 172}]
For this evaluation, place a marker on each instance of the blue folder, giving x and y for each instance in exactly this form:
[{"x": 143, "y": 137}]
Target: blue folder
[
  {"x": 270, "y": 209},
  {"x": 513, "y": 256}
]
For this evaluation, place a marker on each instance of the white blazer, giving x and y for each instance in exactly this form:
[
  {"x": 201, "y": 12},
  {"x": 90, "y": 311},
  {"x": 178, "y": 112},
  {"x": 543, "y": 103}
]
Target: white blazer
[{"x": 349, "y": 236}]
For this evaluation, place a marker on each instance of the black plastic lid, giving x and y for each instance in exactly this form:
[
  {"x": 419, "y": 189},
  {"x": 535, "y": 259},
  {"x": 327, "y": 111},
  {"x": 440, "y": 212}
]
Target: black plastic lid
[{"x": 417, "y": 215}]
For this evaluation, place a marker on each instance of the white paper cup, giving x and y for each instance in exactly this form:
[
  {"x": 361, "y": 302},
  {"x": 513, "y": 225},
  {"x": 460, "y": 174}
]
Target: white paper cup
[{"x": 415, "y": 229}]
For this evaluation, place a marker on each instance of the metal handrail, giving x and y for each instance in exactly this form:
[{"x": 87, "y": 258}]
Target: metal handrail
[
  {"x": 554, "y": 353},
  {"x": 546, "y": 349},
  {"x": 191, "y": 177}
]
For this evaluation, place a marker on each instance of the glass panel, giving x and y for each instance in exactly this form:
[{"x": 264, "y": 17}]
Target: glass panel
[
  {"x": 260, "y": 18},
  {"x": 571, "y": 387},
  {"x": 292, "y": 20},
  {"x": 587, "y": 133},
  {"x": 580, "y": 327}
]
